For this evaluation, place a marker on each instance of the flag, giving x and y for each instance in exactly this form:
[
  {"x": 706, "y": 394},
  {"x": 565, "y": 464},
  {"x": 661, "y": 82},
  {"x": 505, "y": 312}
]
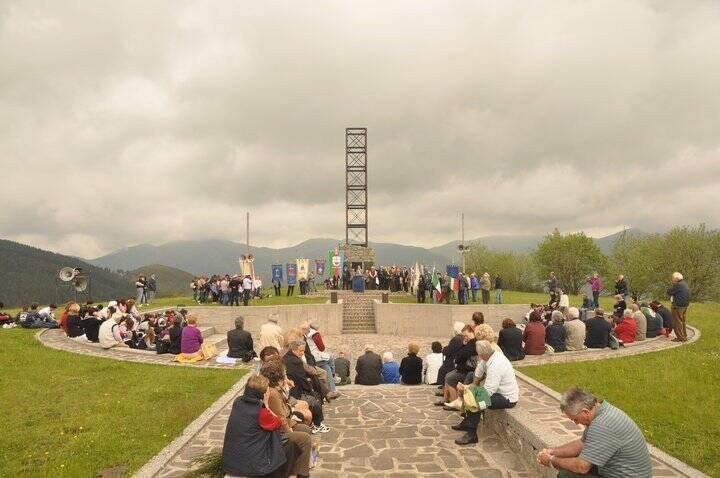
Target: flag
[
  {"x": 302, "y": 269},
  {"x": 277, "y": 272},
  {"x": 320, "y": 267},
  {"x": 436, "y": 280},
  {"x": 453, "y": 273},
  {"x": 291, "y": 273},
  {"x": 335, "y": 261}
]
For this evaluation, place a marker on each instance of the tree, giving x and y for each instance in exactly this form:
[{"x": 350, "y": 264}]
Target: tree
[
  {"x": 517, "y": 270},
  {"x": 573, "y": 258},
  {"x": 648, "y": 261}
]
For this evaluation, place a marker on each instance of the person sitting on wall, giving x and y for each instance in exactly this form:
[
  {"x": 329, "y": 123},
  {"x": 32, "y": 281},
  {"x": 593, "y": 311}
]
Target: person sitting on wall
[
  {"x": 653, "y": 321},
  {"x": 390, "y": 369},
  {"x": 611, "y": 445},
  {"x": 555, "y": 333},
  {"x": 598, "y": 331},
  {"x": 253, "y": 443},
  {"x": 240, "y": 342},
  {"x": 465, "y": 361},
  {"x": 411, "y": 366},
  {"x": 368, "y": 368},
  {"x": 534, "y": 335},
  {"x": 304, "y": 386},
  {"x": 432, "y": 364},
  {"x": 497, "y": 376},
  {"x": 342, "y": 369},
  {"x": 574, "y": 330},
  {"x": 626, "y": 329},
  {"x": 449, "y": 352},
  {"x": 510, "y": 340}
]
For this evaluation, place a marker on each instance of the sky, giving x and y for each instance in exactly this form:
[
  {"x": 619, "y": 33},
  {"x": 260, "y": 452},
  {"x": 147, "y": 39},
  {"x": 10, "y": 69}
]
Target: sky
[{"x": 147, "y": 122}]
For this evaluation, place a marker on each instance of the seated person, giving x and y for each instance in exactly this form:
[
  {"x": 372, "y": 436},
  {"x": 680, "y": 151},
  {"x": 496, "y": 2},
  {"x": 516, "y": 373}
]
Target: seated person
[
  {"x": 390, "y": 369},
  {"x": 574, "y": 331},
  {"x": 125, "y": 331},
  {"x": 611, "y": 445},
  {"x": 174, "y": 335},
  {"x": 109, "y": 332},
  {"x": 626, "y": 329},
  {"x": 664, "y": 314},
  {"x": 555, "y": 334},
  {"x": 534, "y": 335},
  {"x": 291, "y": 430},
  {"x": 5, "y": 319},
  {"x": 653, "y": 321},
  {"x": 450, "y": 350},
  {"x": 368, "y": 368},
  {"x": 304, "y": 386},
  {"x": 342, "y": 369},
  {"x": 510, "y": 340},
  {"x": 90, "y": 323},
  {"x": 47, "y": 314},
  {"x": 240, "y": 342},
  {"x": 74, "y": 324},
  {"x": 411, "y": 366},
  {"x": 465, "y": 361},
  {"x": 598, "y": 331},
  {"x": 432, "y": 364},
  {"x": 253, "y": 444},
  {"x": 640, "y": 321},
  {"x": 496, "y": 373},
  {"x": 191, "y": 340},
  {"x": 620, "y": 306},
  {"x": 21, "y": 317},
  {"x": 323, "y": 359}
]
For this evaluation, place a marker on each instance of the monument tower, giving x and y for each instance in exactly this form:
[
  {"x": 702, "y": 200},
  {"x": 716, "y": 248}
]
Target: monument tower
[{"x": 357, "y": 252}]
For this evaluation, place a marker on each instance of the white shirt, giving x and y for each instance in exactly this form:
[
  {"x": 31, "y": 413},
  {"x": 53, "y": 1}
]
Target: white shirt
[
  {"x": 247, "y": 284},
  {"x": 499, "y": 376},
  {"x": 46, "y": 313},
  {"x": 564, "y": 301},
  {"x": 432, "y": 365}
]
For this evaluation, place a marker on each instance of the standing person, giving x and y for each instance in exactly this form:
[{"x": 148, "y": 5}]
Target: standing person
[
  {"x": 596, "y": 286},
  {"x": 612, "y": 445},
  {"x": 140, "y": 286},
  {"x": 151, "y": 288},
  {"x": 621, "y": 287},
  {"x": 247, "y": 289},
  {"x": 498, "y": 289},
  {"x": 235, "y": 284},
  {"x": 485, "y": 287},
  {"x": 290, "y": 289},
  {"x": 552, "y": 285},
  {"x": 474, "y": 286},
  {"x": 225, "y": 290},
  {"x": 679, "y": 294},
  {"x": 277, "y": 285},
  {"x": 421, "y": 290}
]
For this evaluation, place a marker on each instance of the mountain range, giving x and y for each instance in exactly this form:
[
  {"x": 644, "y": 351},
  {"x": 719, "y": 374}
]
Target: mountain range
[{"x": 218, "y": 256}]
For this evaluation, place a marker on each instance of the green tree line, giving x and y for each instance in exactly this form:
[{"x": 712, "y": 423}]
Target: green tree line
[{"x": 646, "y": 261}]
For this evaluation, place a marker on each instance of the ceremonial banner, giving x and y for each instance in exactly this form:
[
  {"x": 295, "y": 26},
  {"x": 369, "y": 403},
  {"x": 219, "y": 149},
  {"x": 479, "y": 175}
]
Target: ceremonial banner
[
  {"x": 335, "y": 260},
  {"x": 453, "y": 273},
  {"x": 302, "y": 269},
  {"x": 277, "y": 272},
  {"x": 291, "y": 273},
  {"x": 320, "y": 267}
]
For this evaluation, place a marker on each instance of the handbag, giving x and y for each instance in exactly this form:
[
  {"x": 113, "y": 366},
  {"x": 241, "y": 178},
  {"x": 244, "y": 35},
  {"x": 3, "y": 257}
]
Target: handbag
[{"x": 208, "y": 351}]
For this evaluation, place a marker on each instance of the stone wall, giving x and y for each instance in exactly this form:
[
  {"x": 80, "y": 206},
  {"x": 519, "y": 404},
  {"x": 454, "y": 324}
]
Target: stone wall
[
  {"x": 435, "y": 320},
  {"x": 328, "y": 317}
]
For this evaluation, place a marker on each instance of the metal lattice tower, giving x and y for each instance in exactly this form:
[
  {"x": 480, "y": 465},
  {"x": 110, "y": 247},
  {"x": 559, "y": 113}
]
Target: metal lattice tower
[{"x": 356, "y": 216}]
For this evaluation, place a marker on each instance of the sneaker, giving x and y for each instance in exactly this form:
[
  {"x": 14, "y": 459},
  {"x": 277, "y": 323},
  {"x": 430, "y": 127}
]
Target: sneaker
[{"x": 322, "y": 428}]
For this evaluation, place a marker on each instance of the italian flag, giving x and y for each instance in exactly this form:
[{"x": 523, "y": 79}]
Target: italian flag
[{"x": 436, "y": 281}]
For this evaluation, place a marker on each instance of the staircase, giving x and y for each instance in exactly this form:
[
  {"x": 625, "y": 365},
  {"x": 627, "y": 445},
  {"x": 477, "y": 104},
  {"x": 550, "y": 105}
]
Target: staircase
[{"x": 358, "y": 313}]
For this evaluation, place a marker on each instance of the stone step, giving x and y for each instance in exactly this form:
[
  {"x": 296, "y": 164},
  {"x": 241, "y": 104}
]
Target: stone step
[{"x": 220, "y": 340}]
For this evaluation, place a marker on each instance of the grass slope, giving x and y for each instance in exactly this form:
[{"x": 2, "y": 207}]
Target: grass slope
[
  {"x": 674, "y": 395},
  {"x": 70, "y": 415}
]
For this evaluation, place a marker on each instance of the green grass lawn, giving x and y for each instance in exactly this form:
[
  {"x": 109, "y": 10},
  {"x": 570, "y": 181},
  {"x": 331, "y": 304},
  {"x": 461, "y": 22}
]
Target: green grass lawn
[
  {"x": 673, "y": 395},
  {"x": 68, "y": 415}
]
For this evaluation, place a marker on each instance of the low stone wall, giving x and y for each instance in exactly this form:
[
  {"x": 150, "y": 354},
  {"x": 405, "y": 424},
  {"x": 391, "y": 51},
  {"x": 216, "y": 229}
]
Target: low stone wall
[
  {"x": 437, "y": 319},
  {"x": 328, "y": 317}
]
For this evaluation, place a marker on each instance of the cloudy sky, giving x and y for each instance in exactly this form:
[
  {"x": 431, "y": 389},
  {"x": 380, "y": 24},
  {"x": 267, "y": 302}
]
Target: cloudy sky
[{"x": 145, "y": 122}]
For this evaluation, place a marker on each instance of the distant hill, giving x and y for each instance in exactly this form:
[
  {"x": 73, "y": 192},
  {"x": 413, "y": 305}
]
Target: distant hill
[
  {"x": 27, "y": 274},
  {"x": 170, "y": 281},
  {"x": 221, "y": 256}
]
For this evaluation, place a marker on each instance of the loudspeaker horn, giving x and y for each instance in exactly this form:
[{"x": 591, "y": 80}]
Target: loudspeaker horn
[
  {"x": 250, "y": 257},
  {"x": 66, "y": 274},
  {"x": 243, "y": 257},
  {"x": 80, "y": 283}
]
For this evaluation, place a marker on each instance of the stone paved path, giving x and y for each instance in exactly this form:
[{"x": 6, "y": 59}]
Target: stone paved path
[{"x": 384, "y": 431}]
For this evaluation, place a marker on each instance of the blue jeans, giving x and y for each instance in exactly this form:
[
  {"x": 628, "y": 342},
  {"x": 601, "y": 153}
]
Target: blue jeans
[
  {"x": 224, "y": 298},
  {"x": 329, "y": 367},
  {"x": 141, "y": 299},
  {"x": 498, "y": 296}
]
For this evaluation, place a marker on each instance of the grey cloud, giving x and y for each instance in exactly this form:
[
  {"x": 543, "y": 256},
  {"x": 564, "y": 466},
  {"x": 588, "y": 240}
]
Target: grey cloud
[{"x": 165, "y": 120}]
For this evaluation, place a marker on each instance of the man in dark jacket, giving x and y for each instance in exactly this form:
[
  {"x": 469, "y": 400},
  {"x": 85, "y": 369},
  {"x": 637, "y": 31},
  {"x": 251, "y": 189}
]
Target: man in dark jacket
[
  {"x": 175, "y": 333},
  {"x": 679, "y": 294},
  {"x": 250, "y": 450},
  {"x": 305, "y": 386},
  {"x": 368, "y": 368},
  {"x": 597, "y": 331},
  {"x": 240, "y": 342}
]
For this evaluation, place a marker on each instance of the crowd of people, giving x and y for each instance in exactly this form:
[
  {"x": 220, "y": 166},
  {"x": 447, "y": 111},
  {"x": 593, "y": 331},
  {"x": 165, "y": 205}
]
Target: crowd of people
[{"x": 226, "y": 289}]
